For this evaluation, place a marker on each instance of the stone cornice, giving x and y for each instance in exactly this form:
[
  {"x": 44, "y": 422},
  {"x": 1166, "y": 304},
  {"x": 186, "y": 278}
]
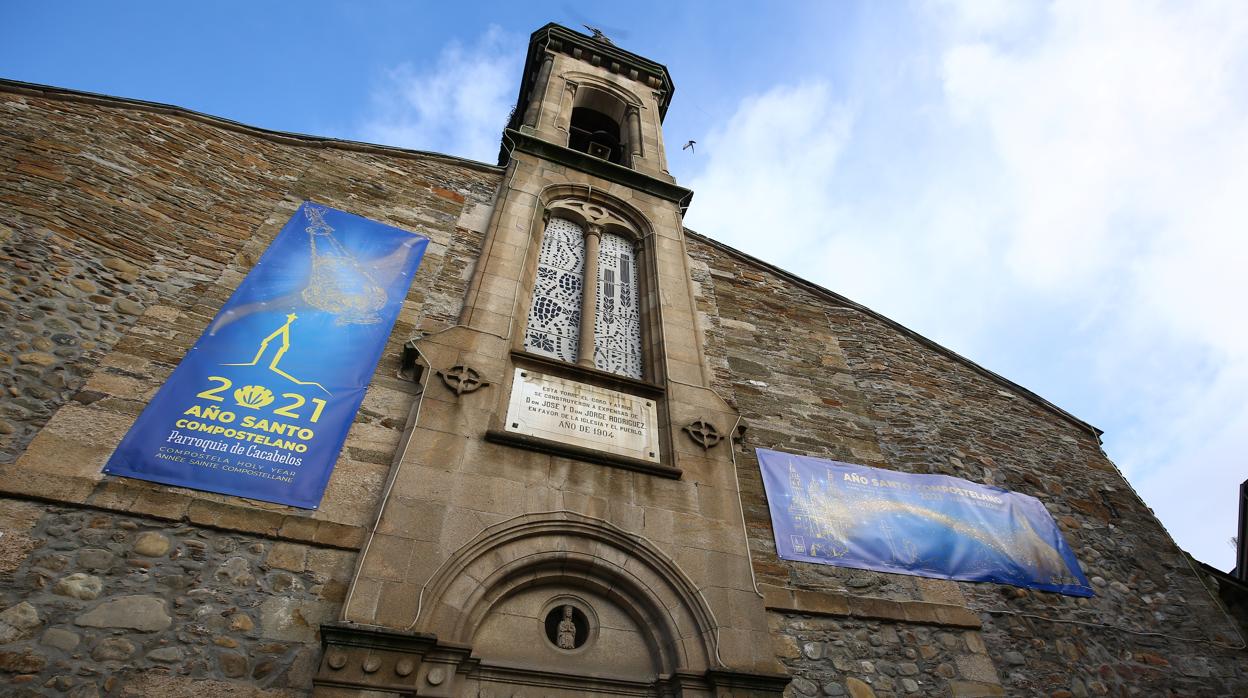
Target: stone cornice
[
  {"x": 554, "y": 37},
  {"x": 827, "y": 603},
  {"x": 598, "y": 167}
]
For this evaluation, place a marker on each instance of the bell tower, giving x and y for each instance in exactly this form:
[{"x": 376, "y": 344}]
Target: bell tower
[
  {"x": 594, "y": 98},
  {"x": 564, "y": 516}
]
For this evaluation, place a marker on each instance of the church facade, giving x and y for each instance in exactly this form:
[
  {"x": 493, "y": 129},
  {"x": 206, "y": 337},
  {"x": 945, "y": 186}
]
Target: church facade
[{"x": 551, "y": 487}]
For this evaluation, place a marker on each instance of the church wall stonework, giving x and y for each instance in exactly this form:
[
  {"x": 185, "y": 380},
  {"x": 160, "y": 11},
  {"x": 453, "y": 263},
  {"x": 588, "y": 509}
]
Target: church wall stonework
[
  {"x": 163, "y": 215},
  {"x": 123, "y": 229},
  {"x": 813, "y": 374},
  {"x": 121, "y": 605}
]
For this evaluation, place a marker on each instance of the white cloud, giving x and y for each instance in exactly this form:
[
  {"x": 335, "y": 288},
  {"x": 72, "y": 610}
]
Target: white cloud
[
  {"x": 768, "y": 166},
  {"x": 1096, "y": 122},
  {"x": 1070, "y": 207},
  {"x": 457, "y": 106},
  {"x": 996, "y": 18},
  {"x": 1123, "y": 136}
]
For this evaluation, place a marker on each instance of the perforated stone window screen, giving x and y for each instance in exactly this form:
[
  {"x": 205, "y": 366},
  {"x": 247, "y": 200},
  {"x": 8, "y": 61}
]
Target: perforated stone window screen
[
  {"x": 617, "y": 322},
  {"x": 555, "y": 317},
  {"x": 554, "y": 323}
]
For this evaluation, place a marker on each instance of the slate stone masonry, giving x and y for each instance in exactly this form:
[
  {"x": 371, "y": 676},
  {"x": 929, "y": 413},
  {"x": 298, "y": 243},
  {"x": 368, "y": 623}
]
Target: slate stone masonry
[
  {"x": 103, "y": 599},
  {"x": 105, "y": 212},
  {"x": 123, "y": 229},
  {"x": 59, "y": 313},
  {"x": 813, "y": 374}
]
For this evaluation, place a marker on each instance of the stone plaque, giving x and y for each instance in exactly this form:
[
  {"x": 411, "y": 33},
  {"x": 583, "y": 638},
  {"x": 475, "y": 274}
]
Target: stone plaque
[{"x": 583, "y": 415}]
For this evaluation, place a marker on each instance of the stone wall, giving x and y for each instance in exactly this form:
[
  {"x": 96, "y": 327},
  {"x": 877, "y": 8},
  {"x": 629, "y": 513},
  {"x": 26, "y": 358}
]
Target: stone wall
[
  {"x": 123, "y": 228},
  {"x": 846, "y": 656},
  {"x": 102, "y": 600},
  {"x": 61, "y": 310},
  {"x": 110, "y": 210},
  {"x": 812, "y": 373}
]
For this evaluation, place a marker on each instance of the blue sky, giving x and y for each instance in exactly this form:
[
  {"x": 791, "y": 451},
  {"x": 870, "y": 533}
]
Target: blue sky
[{"x": 1055, "y": 190}]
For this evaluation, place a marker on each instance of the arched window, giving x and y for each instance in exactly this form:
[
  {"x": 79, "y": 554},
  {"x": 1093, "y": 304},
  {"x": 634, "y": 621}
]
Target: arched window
[
  {"x": 554, "y": 327},
  {"x": 591, "y": 252},
  {"x": 617, "y": 325}
]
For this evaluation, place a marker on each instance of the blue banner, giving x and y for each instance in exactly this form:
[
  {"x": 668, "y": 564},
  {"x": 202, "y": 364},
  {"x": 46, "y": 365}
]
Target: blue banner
[
  {"x": 834, "y": 513},
  {"x": 261, "y": 405}
]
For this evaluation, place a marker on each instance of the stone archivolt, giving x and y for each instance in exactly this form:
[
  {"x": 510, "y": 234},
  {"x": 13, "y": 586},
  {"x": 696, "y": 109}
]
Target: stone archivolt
[
  {"x": 567, "y": 552},
  {"x": 561, "y": 555},
  {"x": 588, "y": 207}
]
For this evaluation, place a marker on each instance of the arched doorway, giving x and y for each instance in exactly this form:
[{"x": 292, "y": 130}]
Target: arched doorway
[{"x": 569, "y": 605}]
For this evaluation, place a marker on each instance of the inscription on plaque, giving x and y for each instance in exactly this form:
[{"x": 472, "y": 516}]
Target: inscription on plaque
[{"x": 585, "y": 415}]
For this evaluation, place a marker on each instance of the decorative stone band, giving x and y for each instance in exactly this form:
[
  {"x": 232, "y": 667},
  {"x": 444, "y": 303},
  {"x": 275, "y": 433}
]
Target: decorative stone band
[
  {"x": 361, "y": 659},
  {"x": 588, "y": 455},
  {"x": 371, "y": 658},
  {"x": 598, "y": 167},
  {"x": 160, "y": 502},
  {"x": 833, "y": 604}
]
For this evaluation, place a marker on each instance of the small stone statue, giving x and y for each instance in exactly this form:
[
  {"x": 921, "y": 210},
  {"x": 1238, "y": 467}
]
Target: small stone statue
[{"x": 567, "y": 631}]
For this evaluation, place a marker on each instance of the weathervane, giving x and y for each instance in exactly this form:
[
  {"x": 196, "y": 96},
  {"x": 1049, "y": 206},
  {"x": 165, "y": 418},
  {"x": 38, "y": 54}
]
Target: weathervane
[{"x": 598, "y": 35}]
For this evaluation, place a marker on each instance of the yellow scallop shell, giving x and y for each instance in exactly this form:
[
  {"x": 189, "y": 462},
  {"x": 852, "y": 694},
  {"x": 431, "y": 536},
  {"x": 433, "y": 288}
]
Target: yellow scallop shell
[{"x": 253, "y": 396}]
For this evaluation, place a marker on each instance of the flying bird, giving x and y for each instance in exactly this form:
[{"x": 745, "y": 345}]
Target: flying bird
[{"x": 689, "y": 146}]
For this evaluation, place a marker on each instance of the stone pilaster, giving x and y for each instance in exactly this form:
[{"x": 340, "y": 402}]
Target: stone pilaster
[{"x": 538, "y": 92}]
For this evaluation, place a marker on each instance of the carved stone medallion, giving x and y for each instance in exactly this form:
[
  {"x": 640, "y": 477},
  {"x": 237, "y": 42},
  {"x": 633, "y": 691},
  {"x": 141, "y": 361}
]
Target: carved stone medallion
[
  {"x": 462, "y": 379},
  {"x": 703, "y": 433}
]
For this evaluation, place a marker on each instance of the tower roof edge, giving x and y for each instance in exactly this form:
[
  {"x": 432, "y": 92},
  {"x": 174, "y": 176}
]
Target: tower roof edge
[{"x": 598, "y": 51}]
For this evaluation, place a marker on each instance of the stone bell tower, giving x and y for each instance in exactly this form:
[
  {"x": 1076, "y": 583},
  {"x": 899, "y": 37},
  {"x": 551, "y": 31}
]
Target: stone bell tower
[{"x": 563, "y": 517}]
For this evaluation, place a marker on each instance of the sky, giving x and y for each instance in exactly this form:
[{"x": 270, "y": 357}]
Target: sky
[{"x": 1055, "y": 190}]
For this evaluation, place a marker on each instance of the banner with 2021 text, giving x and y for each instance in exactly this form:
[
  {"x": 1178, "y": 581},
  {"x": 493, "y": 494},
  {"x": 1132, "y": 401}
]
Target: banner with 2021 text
[
  {"x": 835, "y": 513},
  {"x": 261, "y": 404}
]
